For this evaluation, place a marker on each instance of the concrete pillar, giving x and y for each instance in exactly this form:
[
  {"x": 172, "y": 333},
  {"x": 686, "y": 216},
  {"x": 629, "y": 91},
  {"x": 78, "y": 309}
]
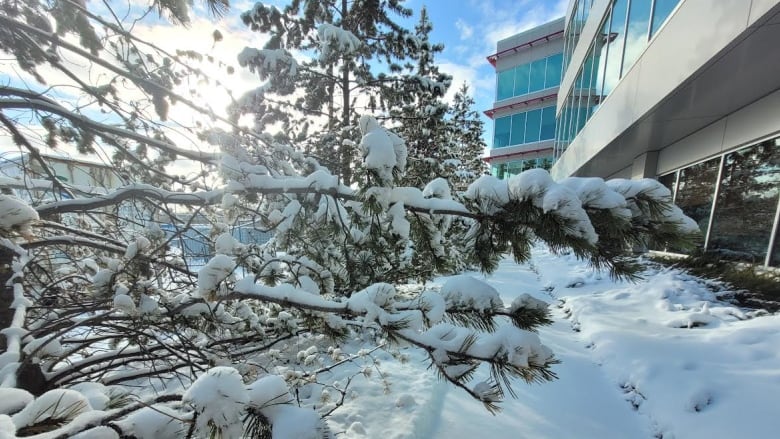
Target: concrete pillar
[{"x": 645, "y": 165}]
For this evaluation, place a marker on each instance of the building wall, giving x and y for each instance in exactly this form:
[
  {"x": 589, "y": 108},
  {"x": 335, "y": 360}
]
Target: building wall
[
  {"x": 697, "y": 106},
  {"x": 528, "y": 68}
]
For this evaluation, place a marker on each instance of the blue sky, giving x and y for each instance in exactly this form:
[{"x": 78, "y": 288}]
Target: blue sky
[{"x": 469, "y": 30}]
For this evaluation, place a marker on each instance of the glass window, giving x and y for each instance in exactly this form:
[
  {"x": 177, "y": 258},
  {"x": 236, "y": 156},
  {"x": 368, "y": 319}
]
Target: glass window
[
  {"x": 696, "y": 189},
  {"x": 537, "y": 75},
  {"x": 499, "y": 170},
  {"x": 505, "y": 84},
  {"x": 518, "y": 128},
  {"x": 600, "y": 48},
  {"x": 552, "y": 76},
  {"x": 572, "y": 115},
  {"x": 669, "y": 181},
  {"x": 548, "y": 123},
  {"x": 747, "y": 202},
  {"x": 615, "y": 39},
  {"x": 501, "y": 135},
  {"x": 775, "y": 261},
  {"x": 636, "y": 33},
  {"x": 533, "y": 125},
  {"x": 661, "y": 12},
  {"x": 521, "y": 79}
]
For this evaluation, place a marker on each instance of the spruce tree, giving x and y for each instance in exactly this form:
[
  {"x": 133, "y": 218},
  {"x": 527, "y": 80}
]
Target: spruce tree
[
  {"x": 347, "y": 40},
  {"x": 466, "y": 138},
  {"x": 418, "y": 111}
]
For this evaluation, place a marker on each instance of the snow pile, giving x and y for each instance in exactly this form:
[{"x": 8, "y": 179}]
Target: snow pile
[
  {"x": 12, "y": 399},
  {"x": 16, "y": 215},
  {"x": 632, "y": 190},
  {"x": 57, "y": 404},
  {"x": 139, "y": 245},
  {"x": 226, "y": 244},
  {"x": 271, "y": 395},
  {"x": 490, "y": 192},
  {"x": 334, "y": 39},
  {"x": 380, "y": 152},
  {"x": 371, "y": 301},
  {"x": 465, "y": 291},
  {"x": 219, "y": 398},
  {"x": 268, "y": 61},
  {"x": 437, "y": 188},
  {"x": 659, "y": 358},
  {"x": 536, "y": 186},
  {"x": 211, "y": 276},
  {"x": 158, "y": 421}
]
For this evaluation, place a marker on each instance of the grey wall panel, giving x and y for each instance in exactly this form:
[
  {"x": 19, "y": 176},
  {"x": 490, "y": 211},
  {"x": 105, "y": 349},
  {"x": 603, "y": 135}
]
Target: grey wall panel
[
  {"x": 759, "y": 8},
  {"x": 683, "y": 46},
  {"x": 623, "y": 173},
  {"x": 700, "y": 145},
  {"x": 753, "y": 122}
]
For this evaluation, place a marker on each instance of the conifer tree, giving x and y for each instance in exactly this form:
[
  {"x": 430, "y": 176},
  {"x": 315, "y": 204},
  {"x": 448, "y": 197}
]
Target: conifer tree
[
  {"x": 418, "y": 111},
  {"x": 347, "y": 40},
  {"x": 466, "y": 138}
]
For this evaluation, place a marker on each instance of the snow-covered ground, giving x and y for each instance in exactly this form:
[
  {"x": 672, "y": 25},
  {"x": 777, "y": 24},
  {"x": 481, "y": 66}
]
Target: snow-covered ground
[{"x": 661, "y": 358}]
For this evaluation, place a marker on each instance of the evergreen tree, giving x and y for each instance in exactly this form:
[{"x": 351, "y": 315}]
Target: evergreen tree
[
  {"x": 466, "y": 138},
  {"x": 418, "y": 111},
  {"x": 347, "y": 39}
]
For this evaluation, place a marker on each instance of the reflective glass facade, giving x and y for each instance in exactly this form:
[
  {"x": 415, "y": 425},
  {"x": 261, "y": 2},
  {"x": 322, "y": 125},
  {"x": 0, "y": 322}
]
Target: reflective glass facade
[
  {"x": 528, "y": 78},
  {"x": 735, "y": 200},
  {"x": 526, "y": 127},
  {"x": 508, "y": 169},
  {"x": 624, "y": 33},
  {"x": 574, "y": 27}
]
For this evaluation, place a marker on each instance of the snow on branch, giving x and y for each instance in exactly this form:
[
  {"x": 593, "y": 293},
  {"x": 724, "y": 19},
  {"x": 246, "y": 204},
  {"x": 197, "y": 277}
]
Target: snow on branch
[{"x": 336, "y": 41}]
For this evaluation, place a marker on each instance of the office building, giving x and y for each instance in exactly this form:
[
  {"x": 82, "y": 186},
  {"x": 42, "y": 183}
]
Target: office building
[
  {"x": 685, "y": 91},
  {"x": 528, "y": 73}
]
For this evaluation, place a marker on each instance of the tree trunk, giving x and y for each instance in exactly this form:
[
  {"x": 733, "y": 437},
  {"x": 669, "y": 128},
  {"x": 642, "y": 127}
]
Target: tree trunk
[
  {"x": 345, "y": 150},
  {"x": 6, "y": 293}
]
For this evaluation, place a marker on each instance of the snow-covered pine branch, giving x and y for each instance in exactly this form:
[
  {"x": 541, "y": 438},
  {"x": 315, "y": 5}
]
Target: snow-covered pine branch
[{"x": 145, "y": 311}]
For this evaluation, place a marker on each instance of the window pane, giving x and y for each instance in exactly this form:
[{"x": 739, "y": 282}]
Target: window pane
[
  {"x": 514, "y": 168},
  {"x": 537, "y": 75},
  {"x": 548, "y": 123},
  {"x": 533, "y": 125},
  {"x": 775, "y": 261},
  {"x": 501, "y": 135},
  {"x": 499, "y": 170},
  {"x": 696, "y": 190},
  {"x": 615, "y": 40},
  {"x": 661, "y": 12},
  {"x": 521, "y": 79},
  {"x": 600, "y": 60},
  {"x": 636, "y": 34},
  {"x": 518, "y": 128},
  {"x": 553, "y": 72},
  {"x": 505, "y": 84},
  {"x": 668, "y": 180},
  {"x": 746, "y": 206}
]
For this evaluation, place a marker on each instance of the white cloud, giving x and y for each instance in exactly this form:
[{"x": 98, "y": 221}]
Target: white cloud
[{"x": 466, "y": 31}]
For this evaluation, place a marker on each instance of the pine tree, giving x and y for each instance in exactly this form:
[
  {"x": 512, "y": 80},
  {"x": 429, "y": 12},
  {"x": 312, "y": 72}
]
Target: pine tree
[
  {"x": 466, "y": 138},
  {"x": 418, "y": 110},
  {"x": 347, "y": 40}
]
